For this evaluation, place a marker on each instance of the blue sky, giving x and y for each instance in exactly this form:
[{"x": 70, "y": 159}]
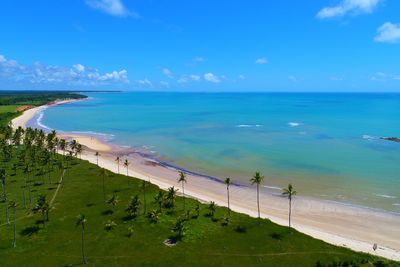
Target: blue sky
[{"x": 207, "y": 45}]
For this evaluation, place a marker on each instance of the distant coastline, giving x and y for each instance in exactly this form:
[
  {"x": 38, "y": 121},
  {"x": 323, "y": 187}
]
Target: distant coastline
[{"x": 337, "y": 223}]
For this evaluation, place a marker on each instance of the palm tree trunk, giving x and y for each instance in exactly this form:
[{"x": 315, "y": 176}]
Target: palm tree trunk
[
  {"x": 15, "y": 230},
  {"x": 83, "y": 245},
  {"x": 290, "y": 212},
  {"x": 258, "y": 200},
  {"x": 144, "y": 197},
  {"x": 104, "y": 190},
  {"x": 183, "y": 192},
  {"x": 118, "y": 167},
  {"x": 5, "y": 198},
  {"x": 229, "y": 207},
  {"x": 23, "y": 194}
]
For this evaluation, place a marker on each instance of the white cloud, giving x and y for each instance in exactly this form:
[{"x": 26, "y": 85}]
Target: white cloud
[
  {"x": 145, "y": 83},
  {"x": 38, "y": 73},
  {"x": 164, "y": 84},
  {"x": 261, "y": 61},
  {"x": 335, "y": 78},
  {"x": 242, "y": 77},
  {"x": 211, "y": 78},
  {"x": 198, "y": 59},
  {"x": 167, "y": 73},
  {"x": 79, "y": 67},
  {"x": 111, "y": 7},
  {"x": 189, "y": 78},
  {"x": 348, "y": 7},
  {"x": 195, "y": 77},
  {"x": 383, "y": 77},
  {"x": 292, "y": 78},
  {"x": 388, "y": 33}
]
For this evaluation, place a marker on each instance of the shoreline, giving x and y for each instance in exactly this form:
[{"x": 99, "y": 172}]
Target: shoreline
[{"x": 357, "y": 228}]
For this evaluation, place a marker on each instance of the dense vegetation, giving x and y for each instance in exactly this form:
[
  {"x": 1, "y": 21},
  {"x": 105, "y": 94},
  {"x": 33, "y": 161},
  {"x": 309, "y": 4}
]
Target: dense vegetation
[
  {"x": 59, "y": 210},
  {"x": 35, "y": 98}
]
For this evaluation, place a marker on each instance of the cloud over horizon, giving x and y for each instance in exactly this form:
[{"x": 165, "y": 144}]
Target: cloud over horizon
[{"x": 38, "y": 73}]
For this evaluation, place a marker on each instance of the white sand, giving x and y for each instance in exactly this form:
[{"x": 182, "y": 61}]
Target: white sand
[{"x": 354, "y": 227}]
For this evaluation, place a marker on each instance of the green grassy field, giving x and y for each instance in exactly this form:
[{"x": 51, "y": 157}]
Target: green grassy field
[{"x": 245, "y": 241}]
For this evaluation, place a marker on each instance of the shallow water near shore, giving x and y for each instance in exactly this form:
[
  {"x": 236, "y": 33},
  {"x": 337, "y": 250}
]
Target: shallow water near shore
[{"x": 327, "y": 145}]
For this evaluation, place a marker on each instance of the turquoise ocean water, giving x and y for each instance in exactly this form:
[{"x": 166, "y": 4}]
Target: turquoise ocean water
[{"x": 327, "y": 145}]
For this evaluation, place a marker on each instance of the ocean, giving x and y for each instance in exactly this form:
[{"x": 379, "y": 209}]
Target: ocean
[{"x": 327, "y": 145}]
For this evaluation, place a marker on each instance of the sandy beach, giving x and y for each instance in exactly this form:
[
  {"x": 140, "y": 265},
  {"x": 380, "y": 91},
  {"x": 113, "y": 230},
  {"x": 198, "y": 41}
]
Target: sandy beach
[{"x": 345, "y": 225}]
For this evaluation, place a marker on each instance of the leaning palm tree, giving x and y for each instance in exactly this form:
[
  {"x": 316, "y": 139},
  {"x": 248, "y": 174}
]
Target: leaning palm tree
[
  {"x": 257, "y": 179},
  {"x": 182, "y": 180},
  {"x": 228, "y": 182},
  {"x": 13, "y": 206},
  {"x": 82, "y": 221},
  {"x": 97, "y": 154},
  {"x": 289, "y": 192},
  {"x": 118, "y": 159}
]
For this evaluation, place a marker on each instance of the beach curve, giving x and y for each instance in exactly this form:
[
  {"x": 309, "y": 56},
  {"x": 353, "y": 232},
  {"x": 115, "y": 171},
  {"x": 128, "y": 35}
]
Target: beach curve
[{"x": 339, "y": 224}]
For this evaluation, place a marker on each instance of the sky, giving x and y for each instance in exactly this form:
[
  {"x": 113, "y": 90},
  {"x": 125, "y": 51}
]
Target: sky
[{"x": 201, "y": 45}]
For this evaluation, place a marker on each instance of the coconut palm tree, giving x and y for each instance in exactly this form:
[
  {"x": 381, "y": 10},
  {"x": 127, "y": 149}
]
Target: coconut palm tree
[
  {"x": 82, "y": 222},
  {"x": 103, "y": 173},
  {"x": 27, "y": 171},
  {"x": 133, "y": 207},
  {"x": 113, "y": 201},
  {"x": 212, "y": 207},
  {"x": 3, "y": 183},
  {"x": 179, "y": 228},
  {"x": 257, "y": 179},
  {"x": 144, "y": 196},
  {"x": 118, "y": 159},
  {"x": 228, "y": 182},
  {"x": 13, "y": 206},
  {"x": 63, "y": 145},
  {"x": 159, "y": 200},
  {"x": 43, "y": 207},
  {"x": 97, "y": 154},
  {"x": 126, "y": 165},
  {"x": 289, "y": 192},
  {"x": 182, "y": 180},
  {"x": 171, "y": 196},
  {"x": 78, "y": 150}
]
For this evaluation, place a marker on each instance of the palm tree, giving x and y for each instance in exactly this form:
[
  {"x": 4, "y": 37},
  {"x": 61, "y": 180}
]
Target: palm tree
[
  {"x": 43, "y": 207},
  {"x": 179, "y": 228},
  {"x": 126, "y": 165},
  {"x": 97, "y": 154},
  {"x": 79, "y": 150},
  {"x": 171, "y": 195},
  {"x": 113, "y": 201},
  {"x": 133, "y": 206},
  {"x": 103, "y": 173},
  {"x": 289, "y": 192},
  {"x": 3, "y": 183},
  {"x": 63, "y": 145},
  {"x": 144, "y": 196},
  {"x": 118, "y": 159},
  {"x": 212, "y": 207},
  {"x": 27, "y": 171},
  {"x": 257, "y": 179},
  {"x": 13, "y": 206},
  {"x": 159, "y": 199},
  {"x": 82, "y": 221},
  {"x": 182, "y": 180},
  {"x": 228, "y": 182}
]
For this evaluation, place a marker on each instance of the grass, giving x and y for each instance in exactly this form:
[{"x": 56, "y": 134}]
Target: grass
[{"x": 206, "y": 243}]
